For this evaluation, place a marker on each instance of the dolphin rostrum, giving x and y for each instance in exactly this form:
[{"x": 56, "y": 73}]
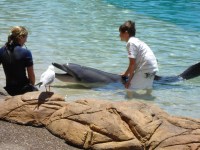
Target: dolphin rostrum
[{"x": 86, "y": 75}]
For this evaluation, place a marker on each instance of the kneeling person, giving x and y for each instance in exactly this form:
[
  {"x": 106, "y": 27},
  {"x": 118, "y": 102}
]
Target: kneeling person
[{"x": 142, "y": 61}]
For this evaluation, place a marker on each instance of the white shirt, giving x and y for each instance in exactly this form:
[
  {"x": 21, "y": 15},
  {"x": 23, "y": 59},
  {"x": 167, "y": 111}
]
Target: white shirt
[{"x": 143, "y": 55}]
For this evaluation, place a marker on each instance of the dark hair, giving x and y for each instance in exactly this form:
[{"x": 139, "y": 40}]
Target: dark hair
[{"x": 128, "y": 26}]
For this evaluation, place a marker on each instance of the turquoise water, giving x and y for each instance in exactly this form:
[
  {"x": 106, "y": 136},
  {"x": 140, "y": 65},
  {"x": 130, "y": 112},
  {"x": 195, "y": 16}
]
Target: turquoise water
[{"x": 86, "y": 32}]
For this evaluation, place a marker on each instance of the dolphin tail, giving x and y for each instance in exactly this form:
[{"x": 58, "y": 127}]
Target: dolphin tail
[{"x": 191, "y": 72}]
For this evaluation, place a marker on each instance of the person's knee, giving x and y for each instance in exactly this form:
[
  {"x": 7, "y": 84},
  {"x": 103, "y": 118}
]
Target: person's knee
[{"x": 28, "y": 88}]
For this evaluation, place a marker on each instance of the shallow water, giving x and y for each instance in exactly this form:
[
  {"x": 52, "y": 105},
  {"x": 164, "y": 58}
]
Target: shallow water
[{"x": 86, "y": 32}]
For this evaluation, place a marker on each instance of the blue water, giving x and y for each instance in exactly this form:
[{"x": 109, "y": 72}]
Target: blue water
[
  {"x": 86, "y": 32},
  {"x": 184, "y": 13}
]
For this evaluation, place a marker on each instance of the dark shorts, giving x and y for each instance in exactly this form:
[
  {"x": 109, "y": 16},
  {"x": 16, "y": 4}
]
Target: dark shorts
[{"x": 20, "y": 90}]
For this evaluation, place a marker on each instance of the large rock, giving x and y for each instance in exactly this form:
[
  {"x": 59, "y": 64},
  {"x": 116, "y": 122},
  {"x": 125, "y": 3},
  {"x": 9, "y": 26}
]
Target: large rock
[
  {"x": 32, "y": 108},
  {"x": 100, "y": 124}
]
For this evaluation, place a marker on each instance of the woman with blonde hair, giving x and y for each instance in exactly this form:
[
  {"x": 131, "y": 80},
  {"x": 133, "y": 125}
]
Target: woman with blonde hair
[{"x": 17, "y": 62}]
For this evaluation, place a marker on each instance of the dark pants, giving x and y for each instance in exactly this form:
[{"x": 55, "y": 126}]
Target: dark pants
[{"x": 13, "y": 90}]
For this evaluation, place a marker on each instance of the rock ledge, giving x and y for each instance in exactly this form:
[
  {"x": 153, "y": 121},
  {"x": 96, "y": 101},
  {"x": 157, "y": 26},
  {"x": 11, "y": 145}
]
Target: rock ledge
[{"x": 103, "y": 125}]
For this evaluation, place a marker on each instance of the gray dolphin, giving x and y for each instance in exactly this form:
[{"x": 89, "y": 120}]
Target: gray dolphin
[{"x": 89, "y": 76}]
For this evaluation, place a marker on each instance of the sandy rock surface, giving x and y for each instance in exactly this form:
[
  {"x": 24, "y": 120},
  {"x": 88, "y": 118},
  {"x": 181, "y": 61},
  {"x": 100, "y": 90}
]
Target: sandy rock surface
[{"x": 100, "y": 124}]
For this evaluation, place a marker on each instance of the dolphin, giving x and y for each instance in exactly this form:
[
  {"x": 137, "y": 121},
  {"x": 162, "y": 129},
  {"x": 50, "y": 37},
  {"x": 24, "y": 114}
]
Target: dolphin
[
  {"x": 85, "y": 76},
  {"x": 93, "y": 77}
]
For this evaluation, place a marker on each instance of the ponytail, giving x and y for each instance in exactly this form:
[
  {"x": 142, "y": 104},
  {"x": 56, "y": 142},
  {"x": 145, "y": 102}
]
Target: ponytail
[{"x": 13, "y": 37}]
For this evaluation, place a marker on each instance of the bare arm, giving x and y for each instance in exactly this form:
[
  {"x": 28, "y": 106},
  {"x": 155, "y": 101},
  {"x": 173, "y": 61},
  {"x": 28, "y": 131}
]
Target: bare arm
[
  {"x": 130, "y": 71},
  {"x": 31, "y": 75}
]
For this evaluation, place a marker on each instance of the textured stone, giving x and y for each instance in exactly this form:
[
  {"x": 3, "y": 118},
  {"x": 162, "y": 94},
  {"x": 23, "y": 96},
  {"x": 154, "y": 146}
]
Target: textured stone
[{"x": 103, "y": 125}]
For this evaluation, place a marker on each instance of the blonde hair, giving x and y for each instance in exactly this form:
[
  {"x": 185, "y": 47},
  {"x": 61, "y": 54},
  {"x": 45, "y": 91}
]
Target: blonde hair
[{"x": 15, "y": 33}]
